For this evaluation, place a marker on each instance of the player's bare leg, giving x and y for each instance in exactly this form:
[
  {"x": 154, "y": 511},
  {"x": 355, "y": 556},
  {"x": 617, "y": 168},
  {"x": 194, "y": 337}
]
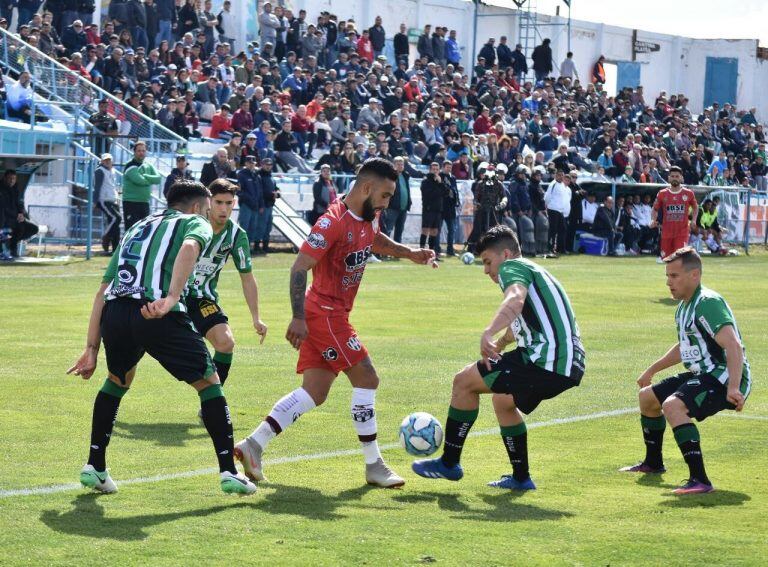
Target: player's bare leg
[
  {"x": 514, "y": 434},
  {"x": 95, "y": 474},
  {"x": 223, "y": 341},
  {"x": 653, "y": 424},
  {"x": 462, "y": 414},
  {"x": 314, "y": 390},
  {"x": 365, "y": 381}
]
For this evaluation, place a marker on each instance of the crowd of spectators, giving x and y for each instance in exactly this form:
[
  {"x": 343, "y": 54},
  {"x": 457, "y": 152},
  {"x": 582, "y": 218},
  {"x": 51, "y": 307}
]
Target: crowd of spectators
[{"x": 322, "y": 96}]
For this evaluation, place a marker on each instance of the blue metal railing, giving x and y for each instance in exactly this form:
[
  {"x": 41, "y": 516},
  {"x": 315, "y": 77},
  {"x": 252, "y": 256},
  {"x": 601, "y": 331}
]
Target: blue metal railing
[{"x": 59, "y": 84}]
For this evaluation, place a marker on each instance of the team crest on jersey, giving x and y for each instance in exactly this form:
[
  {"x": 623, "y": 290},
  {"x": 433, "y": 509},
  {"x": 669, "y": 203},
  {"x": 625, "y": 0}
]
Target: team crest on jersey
[
  {"x": 324, "y": 223},
  {"x": 354, "y": 343},
  {"x": 330, "y": 354},
  {"x": 316, "y": 240},
  {"x": 685, "y": 197},
  {"x": 350, "y": 238}
]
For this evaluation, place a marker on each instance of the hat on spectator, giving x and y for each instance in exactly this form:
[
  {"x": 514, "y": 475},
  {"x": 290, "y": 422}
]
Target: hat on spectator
[
  {"x": 181, "y": 157},
  {"x": 265, "y": 101},
  {"x": 128, "y": 51},
  {"x": 251, "y": 159},
  {"x": 266, "y": 161},
  {"x": 172, "y": 67},
  {"x": 251, "y": 136},
  {"x": 374, "y": 100},
  {"x": 105, "y": 157},
  {"x": 156, "y": 81}
]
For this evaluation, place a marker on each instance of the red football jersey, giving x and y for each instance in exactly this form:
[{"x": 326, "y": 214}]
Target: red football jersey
[
  {"x": 674, "y": 209},
  {"x": 341, "y": 242}
]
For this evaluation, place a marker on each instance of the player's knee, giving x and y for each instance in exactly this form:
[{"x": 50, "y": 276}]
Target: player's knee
[
  {"x": 648, "y": 400},
  {"x": 462, "y": 382},
  {"x": 226, "y": 343},
  {"x": 673, "y": 405}
]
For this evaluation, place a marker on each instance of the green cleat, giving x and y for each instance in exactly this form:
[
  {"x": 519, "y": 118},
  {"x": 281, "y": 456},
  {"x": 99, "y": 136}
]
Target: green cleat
[
  {"x": 99, "y": 481},
  {"x": 236, "y": 484}
]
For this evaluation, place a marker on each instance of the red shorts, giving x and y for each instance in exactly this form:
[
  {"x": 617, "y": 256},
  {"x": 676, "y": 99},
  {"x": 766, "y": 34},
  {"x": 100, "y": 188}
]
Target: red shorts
[
  {"x": 332, "y": 343},
  {"x": 671, "y": 243}
]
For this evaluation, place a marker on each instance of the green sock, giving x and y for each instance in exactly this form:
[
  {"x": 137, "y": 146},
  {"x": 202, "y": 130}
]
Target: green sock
[{"x": 222, "y": 361}]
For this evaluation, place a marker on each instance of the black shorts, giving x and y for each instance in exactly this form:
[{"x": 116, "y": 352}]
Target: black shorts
[
  {"x": 205, "y": 314},
  {"x": 171, "y": 340},
  {"x": 702, "y": 394},
  {"x": 431, "y": 219},
  {"x": 527, "y": 383}
]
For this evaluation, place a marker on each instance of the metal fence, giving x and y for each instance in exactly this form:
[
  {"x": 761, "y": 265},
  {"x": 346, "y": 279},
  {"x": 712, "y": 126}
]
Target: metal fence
[{"x": 57, "y": 83}]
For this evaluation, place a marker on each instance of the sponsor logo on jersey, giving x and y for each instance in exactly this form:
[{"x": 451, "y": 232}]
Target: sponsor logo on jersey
[
  {"x": 316, "y": 240},
  {"x": 354, "y": 343},
  {"x": 704, "y": 324},
  {"x": 330, "y": 354},
  {"x": 324, "y": 223},
  {"x": 357, "y": 259},
  {"x": 126, "y": 290}
]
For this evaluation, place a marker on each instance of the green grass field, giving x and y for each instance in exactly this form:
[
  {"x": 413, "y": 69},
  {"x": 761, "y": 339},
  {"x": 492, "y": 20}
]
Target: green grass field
[{"x": 421, "y": 326}]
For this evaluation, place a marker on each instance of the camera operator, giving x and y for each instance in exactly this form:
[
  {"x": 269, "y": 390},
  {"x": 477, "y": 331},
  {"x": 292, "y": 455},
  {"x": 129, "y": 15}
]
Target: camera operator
[{"x": 490, "y": 203}]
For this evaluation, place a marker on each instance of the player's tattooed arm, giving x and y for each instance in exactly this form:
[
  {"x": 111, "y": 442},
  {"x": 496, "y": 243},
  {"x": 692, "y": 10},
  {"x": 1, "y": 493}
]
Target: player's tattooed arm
[
  {"x": 298, "y": 285},
  {"x": 298, "y": 289}
]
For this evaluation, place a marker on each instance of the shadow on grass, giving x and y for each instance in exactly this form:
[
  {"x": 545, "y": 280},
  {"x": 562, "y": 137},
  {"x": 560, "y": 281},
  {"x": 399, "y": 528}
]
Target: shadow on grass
[
  {"x": 655, "y": 480},
  {"x": 666, "y": 301},
  {"x": 162, "y": 434},
  {"x": 502, "y": 507},
  {"x": 711, "y": 500},
  {"x": 87, "y": 519}
]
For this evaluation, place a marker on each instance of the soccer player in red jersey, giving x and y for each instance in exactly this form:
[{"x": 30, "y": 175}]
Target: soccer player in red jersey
[
  {"x": 675, "y": 203},
  {"x": 337, "y": 249}
]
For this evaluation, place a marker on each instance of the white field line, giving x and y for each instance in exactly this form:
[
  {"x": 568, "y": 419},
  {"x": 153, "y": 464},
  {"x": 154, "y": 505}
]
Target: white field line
[{"x": 328, "y": 455}]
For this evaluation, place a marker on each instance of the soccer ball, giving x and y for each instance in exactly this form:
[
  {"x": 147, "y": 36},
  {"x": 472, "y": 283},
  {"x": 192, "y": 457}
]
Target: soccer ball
[
  {"x": 421, "y": 434},
  {"x": 468, "y": 258}
]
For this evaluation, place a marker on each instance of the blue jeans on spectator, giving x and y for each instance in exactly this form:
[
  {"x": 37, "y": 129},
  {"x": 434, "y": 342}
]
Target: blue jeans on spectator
[
  {"x": 140, "y": 38},
  {"x": 248, "y": 218},
  {"x": 223, "y": 93},
  {"x": 265, "y": 226},
  {"x": 301, "y": 140},
  {"x": 541, "y": 75},
  {"x": 67, "y": 19},
  {"x": 25, "y": 15},
  {"x": 396, "y": 222},
  {"x": 164, "y": 33}
]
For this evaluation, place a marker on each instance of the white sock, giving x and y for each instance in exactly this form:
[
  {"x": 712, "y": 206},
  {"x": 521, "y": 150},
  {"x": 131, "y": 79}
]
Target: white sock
[
  {"x": 364, "y": 417},
  {"x": 286, "y": 411}
]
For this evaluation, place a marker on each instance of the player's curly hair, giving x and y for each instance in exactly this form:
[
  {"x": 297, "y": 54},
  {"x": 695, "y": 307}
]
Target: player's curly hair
[{"x": 219, "y": 186}]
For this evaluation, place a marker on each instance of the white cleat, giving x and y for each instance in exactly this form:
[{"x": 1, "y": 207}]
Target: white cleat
[
  {"x": 379, "y": 474},
  {"x": 236, "y": 484},
  {"x": 98, "y": 481},
  {"x": 249, "y": 454}
]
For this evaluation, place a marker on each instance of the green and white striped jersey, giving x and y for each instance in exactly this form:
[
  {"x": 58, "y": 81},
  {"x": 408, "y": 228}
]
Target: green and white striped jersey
[
  {"x": 143, "y": 265},
  {"x": 546, "y": 329},
  {"x": 698, "y": 321},
  {"x": 233, "y": 241}
]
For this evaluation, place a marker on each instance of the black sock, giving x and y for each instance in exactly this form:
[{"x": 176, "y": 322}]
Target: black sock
[
  {"x": 653, "y": 435},
  {"x": 219, "y": 426},
  {"x": 422, "y": 241},
  {"x": 515, "y": 439},
  {"x": 457, "y": 428},
  {"x": 104, "y": 415},
  {"x": 222, "y": 361},
  {"x": 433, "y": 243},
  {"x": 687, "y": 437}
]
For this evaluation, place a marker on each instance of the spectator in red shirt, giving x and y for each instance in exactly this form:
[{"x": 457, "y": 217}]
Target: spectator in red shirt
[
  {"x": 303, "y": 131},
  {"x": 221, "y": 124},
  {"x": 461, "y": 168},
  {"x": 411, "y": 90},
  {"x": 482, "y": 123},
  {"x": 364, "y": 47},
  {"x": 242, "y": 119}
]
